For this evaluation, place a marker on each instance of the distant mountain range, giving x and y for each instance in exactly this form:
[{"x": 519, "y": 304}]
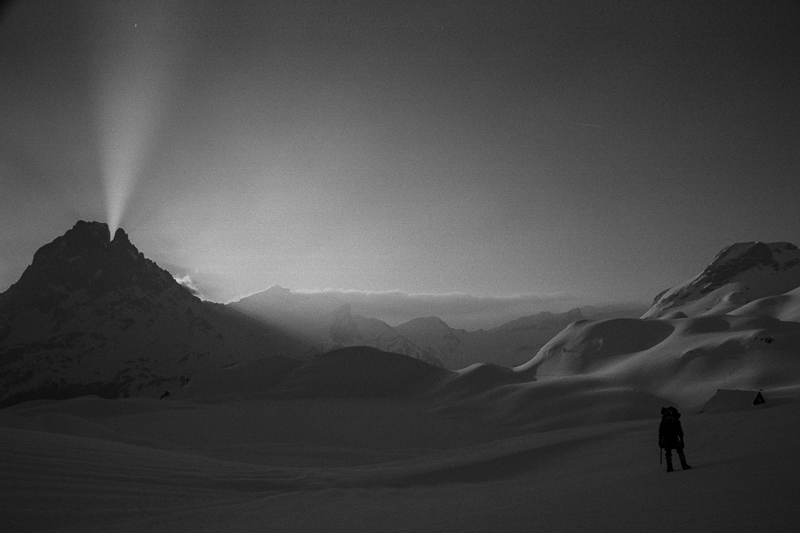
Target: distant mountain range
[
  {"x": 327, "y": 324},
  {"x": 92, "y": 315}
]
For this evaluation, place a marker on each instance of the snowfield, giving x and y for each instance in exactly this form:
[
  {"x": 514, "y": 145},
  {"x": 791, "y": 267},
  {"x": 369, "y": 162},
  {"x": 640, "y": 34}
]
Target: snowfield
[
  {"x": 383, "y": 465},
  {"x": 362, "y": 440}
]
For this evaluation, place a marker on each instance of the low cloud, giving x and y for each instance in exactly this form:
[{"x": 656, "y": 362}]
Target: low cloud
[{"x": 188, "y": 284}]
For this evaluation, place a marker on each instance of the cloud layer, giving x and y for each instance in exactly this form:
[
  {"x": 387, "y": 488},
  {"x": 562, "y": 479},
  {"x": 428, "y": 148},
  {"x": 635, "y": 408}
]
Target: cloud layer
[{"x": 188, "y": 283}]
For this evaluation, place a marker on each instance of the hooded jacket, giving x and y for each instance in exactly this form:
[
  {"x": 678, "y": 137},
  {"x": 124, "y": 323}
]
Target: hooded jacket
[{"x": 670, "y": 432}]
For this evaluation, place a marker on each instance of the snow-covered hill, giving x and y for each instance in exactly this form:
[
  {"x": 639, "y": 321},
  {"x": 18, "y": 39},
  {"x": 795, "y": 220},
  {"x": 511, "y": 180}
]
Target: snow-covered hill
[
  {"x": 734, "y": 326},
  {"x": 91, "y": 314},
  {"x": 782, "y": 306},
  {"x": 683, "y": 360}
]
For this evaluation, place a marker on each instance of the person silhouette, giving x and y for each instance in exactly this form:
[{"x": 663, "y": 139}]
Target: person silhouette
[{"x": 670, "y": 436}]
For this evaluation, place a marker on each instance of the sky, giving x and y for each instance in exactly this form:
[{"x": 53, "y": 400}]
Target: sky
[{"x": 585, "y": 150}]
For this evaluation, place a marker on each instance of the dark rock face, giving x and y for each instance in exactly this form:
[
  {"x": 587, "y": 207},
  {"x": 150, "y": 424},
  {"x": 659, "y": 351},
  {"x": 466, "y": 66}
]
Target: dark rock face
[
  {"x": 728, "y": 263},
  {"x": 84, "y": 259},
  {"x": 93, "y": 315}
]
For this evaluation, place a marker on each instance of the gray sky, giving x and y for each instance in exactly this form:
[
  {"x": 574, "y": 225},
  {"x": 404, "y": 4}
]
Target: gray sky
[{"x": 594, "y": 150}]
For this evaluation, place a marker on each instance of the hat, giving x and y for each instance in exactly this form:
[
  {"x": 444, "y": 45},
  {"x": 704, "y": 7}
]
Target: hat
[{"x": 670, "y": 411}]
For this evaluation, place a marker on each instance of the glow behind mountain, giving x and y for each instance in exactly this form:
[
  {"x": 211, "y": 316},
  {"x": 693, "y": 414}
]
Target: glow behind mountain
[{"x": 137, "y": 51}]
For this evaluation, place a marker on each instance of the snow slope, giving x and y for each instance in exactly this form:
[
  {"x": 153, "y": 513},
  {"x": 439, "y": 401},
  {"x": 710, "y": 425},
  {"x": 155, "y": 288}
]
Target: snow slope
[
  {"x": 683, "y": 360},
  {"x": 738, "y": 275},
  {"x": 364, "y": 440},
  {"x": 784, "y": 307},
  {"x": 370, "y": 465}
]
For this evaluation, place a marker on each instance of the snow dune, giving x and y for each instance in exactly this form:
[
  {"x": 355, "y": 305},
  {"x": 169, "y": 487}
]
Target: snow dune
[
  {"x": 683, "y": 360},
  {"x": 784, "y": 307}
]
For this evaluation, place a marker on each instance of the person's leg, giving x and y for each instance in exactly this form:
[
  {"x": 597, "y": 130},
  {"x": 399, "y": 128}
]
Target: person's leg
[
  {"x": 668, "y": 455},
  {"x": 682, "y": 457}
]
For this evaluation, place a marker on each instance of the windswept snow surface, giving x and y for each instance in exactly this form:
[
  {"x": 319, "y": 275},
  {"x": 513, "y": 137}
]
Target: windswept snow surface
[
  {"x": 784, "y": 307},
  {"x": 682, "y": 360},
  {"x": 369, "y": 465},
  {"x": 363, "y": 440}
]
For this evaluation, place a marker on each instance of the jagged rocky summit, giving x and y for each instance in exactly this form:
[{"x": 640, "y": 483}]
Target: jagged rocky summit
[
  {"x": 738, "y": 275},
  {"x": 84, "y": 265},
  {"x": 92, "y": 314}
]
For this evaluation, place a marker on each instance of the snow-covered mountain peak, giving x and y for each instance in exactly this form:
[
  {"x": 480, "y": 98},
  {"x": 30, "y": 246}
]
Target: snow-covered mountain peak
[
  {"x": 739, "y": 274},
  {"x": 738, "y": 258}
]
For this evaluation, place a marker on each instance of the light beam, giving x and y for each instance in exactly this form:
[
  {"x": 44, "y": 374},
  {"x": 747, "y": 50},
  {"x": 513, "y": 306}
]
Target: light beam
[{"x": 136, "y": 55}]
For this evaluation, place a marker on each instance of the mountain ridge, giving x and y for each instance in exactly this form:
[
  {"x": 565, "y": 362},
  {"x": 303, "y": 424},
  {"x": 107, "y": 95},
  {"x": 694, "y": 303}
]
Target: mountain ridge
[
  {"x": 93, "y": 315},
  {"x": 738, "y": 275}
]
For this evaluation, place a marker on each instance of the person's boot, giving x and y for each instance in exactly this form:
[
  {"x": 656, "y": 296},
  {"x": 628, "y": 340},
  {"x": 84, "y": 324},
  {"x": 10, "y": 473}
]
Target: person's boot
[
  {"x": 684, "y": 464},
  {"x": 669, "y": 464}
]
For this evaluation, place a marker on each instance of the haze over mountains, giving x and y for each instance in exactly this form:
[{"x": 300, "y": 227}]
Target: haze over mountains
[{"x": 327, "y": 322}]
